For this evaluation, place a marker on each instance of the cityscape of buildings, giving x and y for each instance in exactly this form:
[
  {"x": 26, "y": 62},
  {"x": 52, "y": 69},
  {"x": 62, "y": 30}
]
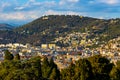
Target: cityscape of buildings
[{"x": 63, "y": 56}]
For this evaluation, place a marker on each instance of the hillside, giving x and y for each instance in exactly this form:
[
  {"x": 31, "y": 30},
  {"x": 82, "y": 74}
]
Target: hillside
[
  {"x": 47, "y": 28},
  {"x": 4, "y": 26}
]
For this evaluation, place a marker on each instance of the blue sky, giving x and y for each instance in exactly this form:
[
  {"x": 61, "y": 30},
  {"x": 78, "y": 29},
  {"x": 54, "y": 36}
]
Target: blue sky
[{"x": 23, "y": 11}]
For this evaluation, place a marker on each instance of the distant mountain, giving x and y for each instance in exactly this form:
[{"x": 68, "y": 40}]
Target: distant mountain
[
  {"x": 45, "y": 29},
  {"x": 4, "y": 26}
]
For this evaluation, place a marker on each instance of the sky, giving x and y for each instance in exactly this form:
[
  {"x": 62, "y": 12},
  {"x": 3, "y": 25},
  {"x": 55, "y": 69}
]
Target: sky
[{"x": 24, "y": 11}]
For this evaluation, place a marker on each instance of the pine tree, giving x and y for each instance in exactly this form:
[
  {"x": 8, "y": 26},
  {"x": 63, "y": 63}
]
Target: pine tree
[
  {"x": 54, "y": 68},
  {"x": 86, "y": 70},
  {"x": 45, "y": 68},
  {"x": 101, "y": 67},
  {"x": 8, "y": 55},
  {"x": 115, "y": 72},
  {"x": 17, "y": 57},
  {"x": 53, "y": 75}
]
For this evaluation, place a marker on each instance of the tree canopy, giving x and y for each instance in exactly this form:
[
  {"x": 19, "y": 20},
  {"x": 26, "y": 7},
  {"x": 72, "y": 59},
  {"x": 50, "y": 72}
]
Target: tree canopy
[{"x": 93, "y": 68}]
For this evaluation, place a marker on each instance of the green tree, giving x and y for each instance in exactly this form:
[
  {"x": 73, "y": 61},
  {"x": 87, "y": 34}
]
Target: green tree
[
  {"x": 54, "y": 70},
  {"x": 101, "y": 67},
  {"x": 83, "y": 70},
  {"x": 8, "y": 55},
  {"x": 53, "y": 75},
  {"x": 50, "y": 69},
  {"x": 68, "y": 73},
  {"x": 52, "y": 64},
  {"x": 115, "y": 72},
  {"x": 86, "y": 70},
  {"x": 21, "y": 70},
  {"x": 17, "y": 57},
  {"x": 45, "y": 68},
  {"x": 36, "y": 66}
]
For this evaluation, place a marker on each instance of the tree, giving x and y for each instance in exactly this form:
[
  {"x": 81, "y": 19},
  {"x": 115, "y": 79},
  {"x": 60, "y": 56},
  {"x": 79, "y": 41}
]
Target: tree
[
  {"x": 21, "y": 70},
  {"x": 17, "y": 57},
  {"x": 52, "y": 64},
  {"x": 86, "y": 70},
  {"x": 50, "y": 69},
  {"x": 8, "y": 55},
  {"x": 68, "y": 73},
  {"x": 115, "y": 72},
  {"x": 45, "y": 68},
  {"x": 53, "y": 75},
  {"x": 36, "y": 66},
  {"x": 83, "y": 70},
  {"x": 101, "y": 67},
  {"x": 54, "y": 72}
]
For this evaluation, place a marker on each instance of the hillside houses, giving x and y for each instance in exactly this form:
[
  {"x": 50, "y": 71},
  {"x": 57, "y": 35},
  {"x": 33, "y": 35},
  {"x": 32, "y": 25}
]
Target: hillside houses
[{"x": 64, "y": 55}]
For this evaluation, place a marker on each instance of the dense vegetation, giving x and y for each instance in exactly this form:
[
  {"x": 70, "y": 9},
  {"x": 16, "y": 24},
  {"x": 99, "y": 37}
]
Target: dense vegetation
[
  {"x": 46, "y": 28},
  {"x": 32, "y": 69},
  {"x": 92, "y": 68}
]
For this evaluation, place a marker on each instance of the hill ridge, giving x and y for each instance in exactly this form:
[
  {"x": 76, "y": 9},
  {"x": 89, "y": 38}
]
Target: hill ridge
[{"x": 46, "y": 28}]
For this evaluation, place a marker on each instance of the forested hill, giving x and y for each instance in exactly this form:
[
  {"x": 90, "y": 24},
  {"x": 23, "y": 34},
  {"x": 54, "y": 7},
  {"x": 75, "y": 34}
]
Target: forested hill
[
  {"x": 4, "y": 26},
  {"x": 46, "y": 28}
]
